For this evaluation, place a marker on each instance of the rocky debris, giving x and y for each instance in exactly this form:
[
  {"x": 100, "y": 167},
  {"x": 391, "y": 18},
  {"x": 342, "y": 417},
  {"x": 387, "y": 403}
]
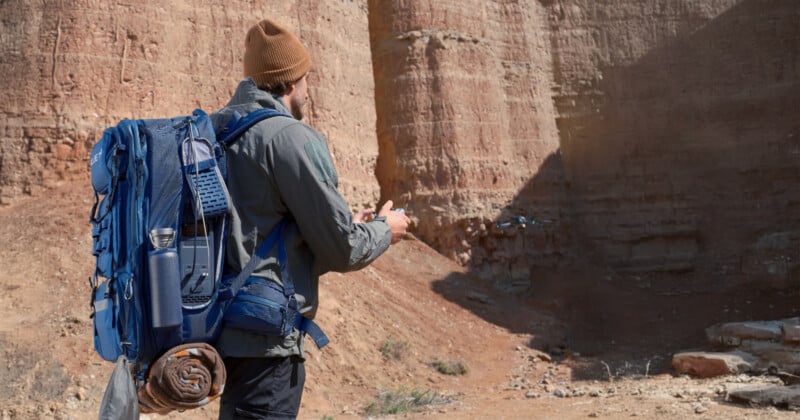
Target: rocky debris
[
  {"x": 754, "y": 347},
  {"x": 548, "y": 382}
]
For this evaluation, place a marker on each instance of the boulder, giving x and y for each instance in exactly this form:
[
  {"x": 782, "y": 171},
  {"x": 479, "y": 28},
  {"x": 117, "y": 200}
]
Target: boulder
[{"x": 710, "y": 364}]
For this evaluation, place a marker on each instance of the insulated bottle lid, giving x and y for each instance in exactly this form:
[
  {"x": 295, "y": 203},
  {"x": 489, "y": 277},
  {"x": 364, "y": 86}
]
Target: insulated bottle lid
[{"x": 162, "y": 237}]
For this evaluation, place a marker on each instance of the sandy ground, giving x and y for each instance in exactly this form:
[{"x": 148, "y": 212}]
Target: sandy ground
[{"x": 578, "y": 344}]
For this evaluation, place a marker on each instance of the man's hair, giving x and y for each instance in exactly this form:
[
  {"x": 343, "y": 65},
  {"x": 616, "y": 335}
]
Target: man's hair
[{"x": 278, "y": 90}]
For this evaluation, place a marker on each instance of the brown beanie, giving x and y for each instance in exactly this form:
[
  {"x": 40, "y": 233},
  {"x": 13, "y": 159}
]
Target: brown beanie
[{"x": 273, "y": 55}]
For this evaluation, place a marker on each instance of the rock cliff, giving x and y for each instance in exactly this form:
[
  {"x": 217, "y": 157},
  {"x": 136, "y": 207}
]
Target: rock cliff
[
  {"x": 678, "y": 133},
  {"x": 465, "y": 116},
  {"x": 643, "y": 136}
]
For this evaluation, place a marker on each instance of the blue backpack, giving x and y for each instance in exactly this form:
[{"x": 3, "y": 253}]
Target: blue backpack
[{"x": 159, "y": 227}]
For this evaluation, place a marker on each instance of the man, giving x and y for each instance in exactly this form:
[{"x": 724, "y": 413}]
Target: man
[{"x": 281, "y": 170}]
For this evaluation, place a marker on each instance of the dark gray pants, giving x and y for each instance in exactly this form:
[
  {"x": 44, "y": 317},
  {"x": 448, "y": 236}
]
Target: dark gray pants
[{"x": 262, "y": 388}]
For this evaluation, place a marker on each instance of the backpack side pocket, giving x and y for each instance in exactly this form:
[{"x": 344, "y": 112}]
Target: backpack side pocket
[{"x": 106, "y": 333}]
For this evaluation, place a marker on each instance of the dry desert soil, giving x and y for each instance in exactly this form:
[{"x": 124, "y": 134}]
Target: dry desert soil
[{"x": 580, "y": 344}]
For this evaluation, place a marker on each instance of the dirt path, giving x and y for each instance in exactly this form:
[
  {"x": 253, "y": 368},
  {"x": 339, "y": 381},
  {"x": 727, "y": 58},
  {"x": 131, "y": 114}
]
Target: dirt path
[{"x": 544, "y": 353}]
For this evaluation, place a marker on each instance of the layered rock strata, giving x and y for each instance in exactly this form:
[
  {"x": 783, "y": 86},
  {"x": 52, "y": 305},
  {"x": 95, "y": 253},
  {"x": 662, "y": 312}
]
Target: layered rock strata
[
  {"x": 77, "y": 66},
  {"x": 465, "y": 119},
  {"x": 678, "y": 133}
]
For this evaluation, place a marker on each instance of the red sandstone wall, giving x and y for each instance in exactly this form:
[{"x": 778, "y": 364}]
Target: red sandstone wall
[
  {"x": 676, "y": 147},
  {"x": 73, "y": 67},
  {"x": 343, "y": 91},
  {"x": 465, "y": 117}
]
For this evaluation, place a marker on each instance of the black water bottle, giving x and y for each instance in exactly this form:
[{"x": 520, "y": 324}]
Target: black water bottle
[{"x": 165, "y": 279}]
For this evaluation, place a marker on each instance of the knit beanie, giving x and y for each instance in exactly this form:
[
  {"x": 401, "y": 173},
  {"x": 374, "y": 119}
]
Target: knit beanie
[{"x": 274, "y": 55}]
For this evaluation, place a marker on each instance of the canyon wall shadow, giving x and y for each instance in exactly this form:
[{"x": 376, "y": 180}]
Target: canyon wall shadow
[{"x": 672, "y": 202}]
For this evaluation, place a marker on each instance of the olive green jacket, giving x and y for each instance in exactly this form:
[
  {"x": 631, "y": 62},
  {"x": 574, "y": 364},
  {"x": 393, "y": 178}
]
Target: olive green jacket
[{"x": 281, "y": 169}]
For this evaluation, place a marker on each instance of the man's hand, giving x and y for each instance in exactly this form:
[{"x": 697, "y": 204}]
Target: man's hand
[
  {"x": 364, "y": 216},
  {"x": 398, "y": 222}
]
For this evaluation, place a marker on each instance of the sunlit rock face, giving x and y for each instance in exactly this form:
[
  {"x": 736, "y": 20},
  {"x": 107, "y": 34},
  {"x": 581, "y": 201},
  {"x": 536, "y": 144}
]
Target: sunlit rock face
[
  {"x": 73, "y": 68},
  {"x": 465, "y": 115}
]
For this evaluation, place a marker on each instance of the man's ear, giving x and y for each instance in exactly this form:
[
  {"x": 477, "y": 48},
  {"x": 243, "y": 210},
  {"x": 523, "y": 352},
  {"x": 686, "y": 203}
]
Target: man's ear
[{"x": 290, "y": 88}]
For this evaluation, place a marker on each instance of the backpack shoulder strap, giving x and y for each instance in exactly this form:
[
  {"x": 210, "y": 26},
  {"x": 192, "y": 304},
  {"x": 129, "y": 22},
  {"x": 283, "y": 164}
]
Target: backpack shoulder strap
[
  {"x": 229, "y": 134},
  {"x": 275, "y": 237},
  {"x": 238, "y": 124}
]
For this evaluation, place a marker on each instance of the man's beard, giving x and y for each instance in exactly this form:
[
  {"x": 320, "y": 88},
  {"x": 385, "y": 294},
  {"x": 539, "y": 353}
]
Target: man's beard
[{"x": 297, "y": 107}]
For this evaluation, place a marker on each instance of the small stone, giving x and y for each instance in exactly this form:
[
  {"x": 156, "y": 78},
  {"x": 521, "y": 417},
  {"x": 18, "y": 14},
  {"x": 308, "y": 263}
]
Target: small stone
[
  {"x": 560, "y": 393},
  {"x": 80, "y": 394},
  {"x": 531, "y": 394},
  {"x": 700, "y": 409},
  {"x": 517, "y": 384}
]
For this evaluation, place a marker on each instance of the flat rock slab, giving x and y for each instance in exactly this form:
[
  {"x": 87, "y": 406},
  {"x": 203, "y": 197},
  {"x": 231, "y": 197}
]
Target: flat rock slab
[
  {"x": 732, "y": 333},
  {"x": 774, "y": 395}
]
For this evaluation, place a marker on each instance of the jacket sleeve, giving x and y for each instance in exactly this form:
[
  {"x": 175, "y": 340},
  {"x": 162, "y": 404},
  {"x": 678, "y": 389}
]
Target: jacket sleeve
[{"x": 307, "y": 182}]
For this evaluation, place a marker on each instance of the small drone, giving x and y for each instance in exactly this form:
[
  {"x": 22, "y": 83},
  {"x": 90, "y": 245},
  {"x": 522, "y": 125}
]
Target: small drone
[{"x": 520, "y": 221}]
